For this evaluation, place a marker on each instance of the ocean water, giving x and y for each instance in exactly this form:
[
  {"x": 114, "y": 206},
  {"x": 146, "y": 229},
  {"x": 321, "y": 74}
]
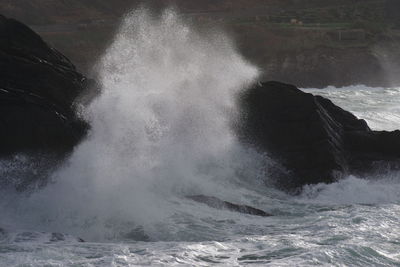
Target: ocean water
[{"x": 161, "y": 130}]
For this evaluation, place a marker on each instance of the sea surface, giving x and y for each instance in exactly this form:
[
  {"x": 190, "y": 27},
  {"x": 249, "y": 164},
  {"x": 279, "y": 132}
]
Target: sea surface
[{"x": 161, "y": 131}]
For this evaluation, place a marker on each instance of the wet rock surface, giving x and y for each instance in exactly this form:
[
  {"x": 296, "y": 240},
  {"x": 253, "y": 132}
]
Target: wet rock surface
[
  {"x": 217, "y": 203},
  {"x": 315, "y": 140},
  {"x": 38, "y": 87}
]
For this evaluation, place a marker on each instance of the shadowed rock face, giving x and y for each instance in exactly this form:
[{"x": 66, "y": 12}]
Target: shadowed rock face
[
  {"x": 217, "y": 203},
  {"x": 38, "y": 87},
  {"x": 315, "y": 140}
]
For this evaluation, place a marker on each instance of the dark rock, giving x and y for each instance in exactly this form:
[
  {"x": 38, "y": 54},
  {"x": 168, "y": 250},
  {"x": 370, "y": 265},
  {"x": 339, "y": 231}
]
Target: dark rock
[
  {"x": 137, "y": 234},
  {"x": 38, "y": 87},
  {"x": 56, "y": 237},
  {"x": 315, "y": 140},
  {"x": 217, "y": 203},
  {"x": 2, "y": 233}
]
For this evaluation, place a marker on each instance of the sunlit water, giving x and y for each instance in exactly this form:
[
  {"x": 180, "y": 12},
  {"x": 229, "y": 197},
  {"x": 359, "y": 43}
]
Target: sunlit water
[{"x": 161, "y": 130}]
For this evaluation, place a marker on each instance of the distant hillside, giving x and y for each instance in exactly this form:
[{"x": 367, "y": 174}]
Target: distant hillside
[
  {"x": 312, "y": 43},
  {"x": 392, "y": 11},
  {"x": 62, "y": 11},
  {"x": 74, "y": 11}
]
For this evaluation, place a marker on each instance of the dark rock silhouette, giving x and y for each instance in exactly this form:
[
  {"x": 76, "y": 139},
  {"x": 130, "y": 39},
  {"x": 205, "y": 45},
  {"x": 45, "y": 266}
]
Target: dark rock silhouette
[
  {"x": 217, "y": 203},
  {"x": 137, "y": 234},
  {"x": 38, "y": 92},
  {"x": 60, "y": 237},
  {"x": 315, "y": 140},
  {"x": 38, "y": 87}
]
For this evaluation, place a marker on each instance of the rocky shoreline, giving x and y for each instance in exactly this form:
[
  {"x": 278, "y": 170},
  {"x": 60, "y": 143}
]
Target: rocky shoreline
[
  {"x": 313, "y": 140},
  {"x": 38, "y": 87}
]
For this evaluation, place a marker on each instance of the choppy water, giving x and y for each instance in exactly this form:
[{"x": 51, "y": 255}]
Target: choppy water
[
  {"x": 161, "y": 131},
  {"x": 351, "y": 223}
]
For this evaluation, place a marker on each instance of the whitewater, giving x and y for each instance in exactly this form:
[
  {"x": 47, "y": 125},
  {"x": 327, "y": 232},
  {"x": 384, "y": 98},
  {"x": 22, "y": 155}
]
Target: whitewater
[{"x": 161, "y": 129}]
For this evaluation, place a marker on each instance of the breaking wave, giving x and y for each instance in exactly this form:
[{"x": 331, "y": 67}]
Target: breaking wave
[{"x": 161, "y": 128}]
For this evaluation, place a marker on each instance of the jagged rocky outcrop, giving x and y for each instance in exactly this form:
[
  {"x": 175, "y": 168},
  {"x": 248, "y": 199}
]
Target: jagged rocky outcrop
[
  {"x": 217, "y": 203},
  {"x": 38, "y": 91},
  {"x": 38, "y": 87},
  {"x": 313, "y": 139}
]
